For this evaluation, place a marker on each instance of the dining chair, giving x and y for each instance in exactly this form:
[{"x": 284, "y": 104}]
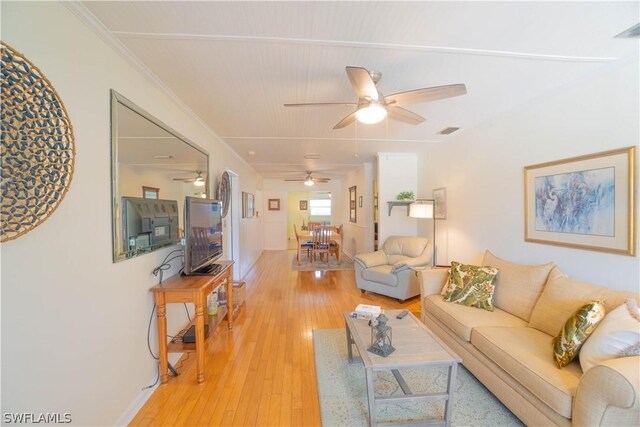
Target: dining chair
[
  {"x": 305, "y": 244},
  {"x": 313, "y": 225},
  {"x": 321, "y": 243}
]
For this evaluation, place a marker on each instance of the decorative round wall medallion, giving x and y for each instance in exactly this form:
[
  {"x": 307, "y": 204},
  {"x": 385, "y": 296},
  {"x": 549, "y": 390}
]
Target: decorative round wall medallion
[
  {"x": 224, "y": 192},
  {"x": 38, "y": 148}
]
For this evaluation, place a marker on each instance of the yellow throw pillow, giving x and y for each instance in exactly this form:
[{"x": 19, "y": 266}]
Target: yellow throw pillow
[
  {"x": 471, "y": 285},
  {"x": 575, "y": 332}
]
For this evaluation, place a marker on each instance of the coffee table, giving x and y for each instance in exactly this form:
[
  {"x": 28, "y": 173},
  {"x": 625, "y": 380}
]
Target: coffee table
[{"x": 416, "y": 347}]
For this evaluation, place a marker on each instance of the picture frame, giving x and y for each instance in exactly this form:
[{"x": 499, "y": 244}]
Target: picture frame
[
  {"x": 248, "y": 207},
  {"x": 274, "y": 204},
  {"x": 360, "y": 201},
  {"x": 304, "y": 205},
  {"x": 150, "y": 192},
  {"x": 584, "y": 202},
  {"x": 353, "y": 216},
  {"x": 440, "y": 203}
]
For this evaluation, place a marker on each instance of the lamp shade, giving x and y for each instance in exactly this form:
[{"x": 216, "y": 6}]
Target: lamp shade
[{"x": 421, "y": 210}]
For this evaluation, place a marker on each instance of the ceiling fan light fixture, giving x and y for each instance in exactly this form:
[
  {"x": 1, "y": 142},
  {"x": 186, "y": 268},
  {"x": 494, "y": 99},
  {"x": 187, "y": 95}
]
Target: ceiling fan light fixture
[
  {"x": 308, "y": 182},
  {"x": 199, "y": 181},
  {"x": 372, "y": 113}
]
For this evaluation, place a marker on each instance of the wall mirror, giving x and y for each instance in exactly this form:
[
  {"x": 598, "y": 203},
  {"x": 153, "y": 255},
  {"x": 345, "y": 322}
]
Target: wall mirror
[{"x": 145, "y": 153}]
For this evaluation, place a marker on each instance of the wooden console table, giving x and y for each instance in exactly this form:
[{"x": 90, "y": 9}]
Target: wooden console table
[{"x": 191, "y": 289}]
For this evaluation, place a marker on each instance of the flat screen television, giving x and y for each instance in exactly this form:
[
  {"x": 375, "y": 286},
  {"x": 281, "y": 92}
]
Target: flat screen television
[{"x": 203, "y": 235}]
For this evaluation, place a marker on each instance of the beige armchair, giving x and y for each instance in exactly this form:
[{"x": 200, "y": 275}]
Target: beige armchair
[{"x": 388, "y": 271}]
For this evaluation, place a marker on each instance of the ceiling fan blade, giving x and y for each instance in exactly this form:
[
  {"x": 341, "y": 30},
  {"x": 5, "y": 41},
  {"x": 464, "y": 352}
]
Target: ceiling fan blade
[
  {"x": 296, "y": 180},
  {"x": 322, "y": 104},
  {"x": 346, "y": 121},
  {"x": 425, "y": 94},
  {"x": 402, "y": 115},
  {"x": 362, "y": 83}
]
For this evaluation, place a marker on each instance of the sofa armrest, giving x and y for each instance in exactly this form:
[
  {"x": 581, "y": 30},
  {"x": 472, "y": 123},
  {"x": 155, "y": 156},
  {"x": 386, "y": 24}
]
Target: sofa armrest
[
  {"x": 372, "y": 259},
  {"x": 607, "y": 394},
  {"x": 432, "y": 280}
]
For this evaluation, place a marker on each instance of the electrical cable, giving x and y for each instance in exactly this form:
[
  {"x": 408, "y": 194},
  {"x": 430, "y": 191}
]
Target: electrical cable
[{"x": 156, "y": 381}]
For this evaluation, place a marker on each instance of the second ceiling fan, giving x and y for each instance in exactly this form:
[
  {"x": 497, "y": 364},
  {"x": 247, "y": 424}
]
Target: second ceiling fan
[
  {"x": 309, "y": 180},
  {"x": 373, "y": 107}
]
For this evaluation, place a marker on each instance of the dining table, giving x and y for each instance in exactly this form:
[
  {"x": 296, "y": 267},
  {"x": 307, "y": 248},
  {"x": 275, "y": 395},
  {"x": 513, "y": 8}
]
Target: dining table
[{"x": 305, "y": 235}]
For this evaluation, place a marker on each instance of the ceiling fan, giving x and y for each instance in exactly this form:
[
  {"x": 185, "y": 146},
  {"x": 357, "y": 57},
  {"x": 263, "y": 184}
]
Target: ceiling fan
[
  {"x": 373, "y": 107},
  {"x": 309, "y": 180},
  {"x": 198, "y": 181}
]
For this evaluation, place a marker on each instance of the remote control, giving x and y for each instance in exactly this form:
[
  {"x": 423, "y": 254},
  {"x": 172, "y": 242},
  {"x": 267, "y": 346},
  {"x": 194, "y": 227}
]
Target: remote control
[{"x": 402, "y": 314}]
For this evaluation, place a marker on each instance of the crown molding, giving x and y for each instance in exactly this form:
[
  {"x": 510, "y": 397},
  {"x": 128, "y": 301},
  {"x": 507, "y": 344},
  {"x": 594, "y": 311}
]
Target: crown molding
[
  {"x": 107, "y": 36},
  {"x": 362, "y": 44}
]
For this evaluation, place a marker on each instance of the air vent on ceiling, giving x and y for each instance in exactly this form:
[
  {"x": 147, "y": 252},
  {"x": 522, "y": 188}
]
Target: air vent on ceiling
[
  {"x": 312, "y": 156},
  {"x": 631, "y": 33},
  {"x": 447, "y": 131}
]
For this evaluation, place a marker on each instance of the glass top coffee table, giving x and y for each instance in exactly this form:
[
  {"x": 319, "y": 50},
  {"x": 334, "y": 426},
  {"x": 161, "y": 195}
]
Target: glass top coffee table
[{"x": 416, "y": 347}]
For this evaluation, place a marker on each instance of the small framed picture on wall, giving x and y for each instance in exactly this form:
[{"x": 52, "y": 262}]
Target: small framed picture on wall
[
  {"x": 303, "y": 205},
  {"x": 274, "y": 204},
  {"x": 352, "y": 204}
]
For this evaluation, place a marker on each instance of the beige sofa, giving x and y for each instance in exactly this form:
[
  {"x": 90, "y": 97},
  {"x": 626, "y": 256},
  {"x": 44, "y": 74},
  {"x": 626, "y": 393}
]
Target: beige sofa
[
  {"x": 389, "y": 270},
  {"x": 510, "y": 351}
]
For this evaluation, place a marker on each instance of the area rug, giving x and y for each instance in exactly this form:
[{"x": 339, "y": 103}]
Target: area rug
[
  {"x": 305, "y": 265},
  {"x": 343, "y": 395}
]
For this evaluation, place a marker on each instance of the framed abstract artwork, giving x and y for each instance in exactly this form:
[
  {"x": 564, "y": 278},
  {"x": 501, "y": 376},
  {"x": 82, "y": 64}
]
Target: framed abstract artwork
[
  {"x": 584, "y": 202},
  {"x": 440, "y": 203}
]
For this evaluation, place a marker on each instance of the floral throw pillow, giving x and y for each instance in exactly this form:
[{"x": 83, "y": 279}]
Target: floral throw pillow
[
  {"x": 471, "y": 285},
  {"x": 576, "y": 331}
]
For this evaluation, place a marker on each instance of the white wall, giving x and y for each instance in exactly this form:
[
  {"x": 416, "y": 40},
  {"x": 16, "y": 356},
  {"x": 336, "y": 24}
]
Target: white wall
[
  {"x": 74, "y": 324},
  {"x": 397, "y": 172},
  {"x": 358, "y": 236},
  {"x": 482, "y": 169}
]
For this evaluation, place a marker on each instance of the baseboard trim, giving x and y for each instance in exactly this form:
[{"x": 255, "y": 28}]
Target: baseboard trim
[{"x": 137, "y": 404}]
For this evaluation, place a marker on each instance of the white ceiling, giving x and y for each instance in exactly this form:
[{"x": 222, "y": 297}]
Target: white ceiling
[{"x": 236, "y": 63}]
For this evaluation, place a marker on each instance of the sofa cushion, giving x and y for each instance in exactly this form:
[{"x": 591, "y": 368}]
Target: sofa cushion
[
  {"x": 518, "y": 286},
  {"x": 405, "y": 245},
  {"x": 563, "y": 296},
  {"x": 618, "y": 331},
  {"x": 381, "y": 274},
  {"x": 576, "y": 330},
  {"x": 462, "y": 319},
  {"x": 471, "y": 285},
  {"x": 524, "y": 353}
]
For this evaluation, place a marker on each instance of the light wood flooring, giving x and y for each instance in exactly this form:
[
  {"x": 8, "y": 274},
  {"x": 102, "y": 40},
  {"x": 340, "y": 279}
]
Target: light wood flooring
[{"x": 263, "y": 372}]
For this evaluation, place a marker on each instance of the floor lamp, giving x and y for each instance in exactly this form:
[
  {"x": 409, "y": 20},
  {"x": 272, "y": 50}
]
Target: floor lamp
[{"x": 425, "y": 208}]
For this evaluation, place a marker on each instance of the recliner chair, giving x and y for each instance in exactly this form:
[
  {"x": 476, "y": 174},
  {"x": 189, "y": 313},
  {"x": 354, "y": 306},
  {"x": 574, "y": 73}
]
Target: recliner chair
[{"x": 388, "y": 271}]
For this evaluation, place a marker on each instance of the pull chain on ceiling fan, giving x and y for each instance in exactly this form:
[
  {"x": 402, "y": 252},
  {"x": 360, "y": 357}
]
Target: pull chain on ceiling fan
[{"x": 372, "y": 107}]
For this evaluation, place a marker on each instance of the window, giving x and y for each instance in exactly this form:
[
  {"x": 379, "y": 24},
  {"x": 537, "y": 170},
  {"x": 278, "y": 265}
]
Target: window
[{"x": 320, "y": 207}]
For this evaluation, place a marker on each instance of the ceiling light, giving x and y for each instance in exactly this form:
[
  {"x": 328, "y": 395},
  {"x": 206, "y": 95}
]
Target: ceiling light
[
  {"x": 252, "y": 153},
  {"x": 308, "y": 182},
  {"x": 373, "y": 113},
  {"x": 199, "y": 182}
]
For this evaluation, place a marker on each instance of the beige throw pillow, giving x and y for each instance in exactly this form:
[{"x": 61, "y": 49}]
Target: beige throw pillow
[
  {"x": 518, "y": 286},
  {"x": 618, "y": 335},
  {"x": 562, "y": 296}
]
